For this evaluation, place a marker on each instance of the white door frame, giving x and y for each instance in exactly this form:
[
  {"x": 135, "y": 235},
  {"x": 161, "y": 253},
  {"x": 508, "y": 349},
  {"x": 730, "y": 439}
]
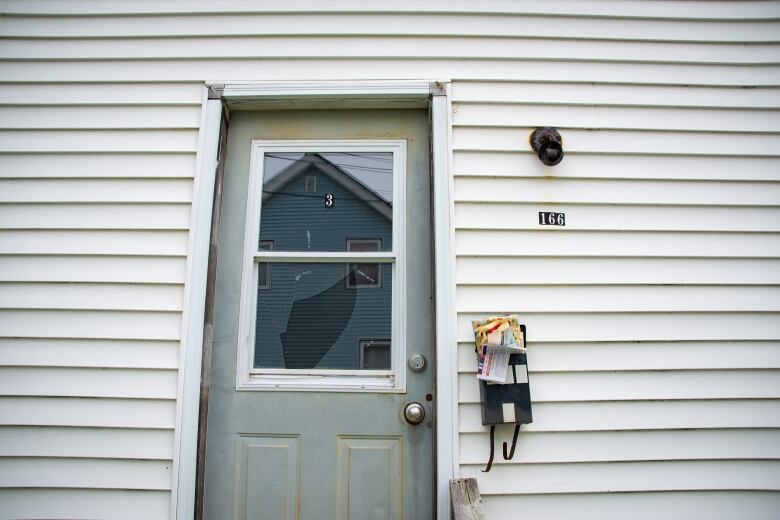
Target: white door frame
[{"x": 336, "y": 94}]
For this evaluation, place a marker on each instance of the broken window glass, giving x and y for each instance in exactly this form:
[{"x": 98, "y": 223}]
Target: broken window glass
[{"x": 310, "y": 318}]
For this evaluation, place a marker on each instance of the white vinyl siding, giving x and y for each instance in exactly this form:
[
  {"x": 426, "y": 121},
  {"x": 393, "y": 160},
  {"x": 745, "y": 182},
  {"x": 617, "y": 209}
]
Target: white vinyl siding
[
  {"x": 653, "y": 316},
  {"x": 95, "y": 193},
  {"x": 85, "y": 503}
]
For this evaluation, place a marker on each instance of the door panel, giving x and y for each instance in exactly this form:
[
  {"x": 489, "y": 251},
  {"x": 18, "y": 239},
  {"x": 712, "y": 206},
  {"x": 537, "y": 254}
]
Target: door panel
[
  {"x": 268, "y": 476},
  {"x": 322, "y": 454},
  {"x": 368, "y": 477}
]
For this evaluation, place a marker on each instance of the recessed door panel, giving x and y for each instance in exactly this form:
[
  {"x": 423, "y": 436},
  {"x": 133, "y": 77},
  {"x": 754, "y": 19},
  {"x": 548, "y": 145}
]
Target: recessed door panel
[
  {"x": 369, "y": 478},
  {"x": 267, "y": 476}
]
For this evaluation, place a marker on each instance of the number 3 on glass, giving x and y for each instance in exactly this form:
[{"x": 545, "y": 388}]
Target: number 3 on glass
[{"x": 328, "y": 200}]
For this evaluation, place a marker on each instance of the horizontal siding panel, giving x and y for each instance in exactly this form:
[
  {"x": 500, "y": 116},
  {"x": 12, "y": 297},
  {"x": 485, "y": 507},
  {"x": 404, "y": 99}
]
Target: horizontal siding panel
[
  {"x": 88, "y": 382},
  {"x": 57, "y": 352},
  {"x": 624, "y": 298},
  {"x": 627, "y": 446},
  {"x": 88, "y": 412},
  {"x": 333, "y": 69},
  {"x": 65, "y": 504},
  {"x": 477, "y": 215},
  {"x": 344, "y": 24},
  {"x": 627, "y": 476},
  {"x": 621, "y": 142},
  {"x": 67, "y": 164},
  {"x": 600, "y": 117},
  {"x": 384, "y": 47},
  {"x": 588, "y": 94},
  {"x": 676, "y": 355},
  {"x": 96, "y": 190},
  {"x": 635, "y": 271},
  {"x": 647, "y": 244},
  {"x": 133, "y": 297},
  {"x": 630, "y": 386},
  {"x": 605, "y": 416},
  {"x": 608, "y": 8},
  {"x": 85, "y": 473},
  {"x": 156, "y": 243},
  {"x": 519, "y": 163},
  {"x": 28, "y": 268},
  {"x": 673, "y": 505},
  {"x": 107, "y": 443},
  {"x": 565, "y": 327},
  {"x": 81, "y": 117},
  {"x": 187, "y": 94},
  {"x": 98, "y": 141},
  {"x": 90, "y": 324},
  {"x": 588, "y": 191},
  {"x": 94, "y": 216}
]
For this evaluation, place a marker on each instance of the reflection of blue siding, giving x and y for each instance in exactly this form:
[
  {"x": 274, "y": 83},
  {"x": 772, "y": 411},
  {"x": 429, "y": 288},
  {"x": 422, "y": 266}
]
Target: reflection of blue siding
[
  {"x": 290, "y": 212},
  {"x": 330, "y": 338}
]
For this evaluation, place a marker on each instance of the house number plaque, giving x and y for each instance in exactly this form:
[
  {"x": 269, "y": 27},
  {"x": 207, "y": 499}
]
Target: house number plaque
[
  {"x": 328, "y": 200},
  {"x": 549, "y": 218}
]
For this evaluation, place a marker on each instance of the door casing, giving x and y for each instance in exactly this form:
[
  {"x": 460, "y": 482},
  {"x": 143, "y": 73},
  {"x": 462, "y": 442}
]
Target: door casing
[{"x": 386, "y": 95}]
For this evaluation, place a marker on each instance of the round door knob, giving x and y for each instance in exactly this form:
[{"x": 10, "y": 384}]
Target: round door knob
[{"x": 414, "y": 413}]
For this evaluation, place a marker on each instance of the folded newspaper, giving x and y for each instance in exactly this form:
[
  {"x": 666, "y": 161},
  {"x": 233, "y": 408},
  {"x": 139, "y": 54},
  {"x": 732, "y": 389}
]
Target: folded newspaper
[{"x": 496, "y": 338}]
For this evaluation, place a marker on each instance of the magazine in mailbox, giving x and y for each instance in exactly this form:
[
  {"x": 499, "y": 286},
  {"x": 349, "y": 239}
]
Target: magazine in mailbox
[{"x": 497, "y": 338}]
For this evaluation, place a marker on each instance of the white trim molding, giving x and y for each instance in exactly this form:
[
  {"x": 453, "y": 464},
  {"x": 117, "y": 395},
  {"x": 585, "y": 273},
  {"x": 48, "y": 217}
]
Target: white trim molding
[
  {"x": 236, "y": 91},
  {"x": 355, "y": 94},
  {"x": 191, "y": 350},
  {"x": 446, "y": 344}
]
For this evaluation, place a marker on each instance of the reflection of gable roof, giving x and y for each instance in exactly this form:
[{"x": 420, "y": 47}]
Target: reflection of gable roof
[{"x": 361, "y": 192}]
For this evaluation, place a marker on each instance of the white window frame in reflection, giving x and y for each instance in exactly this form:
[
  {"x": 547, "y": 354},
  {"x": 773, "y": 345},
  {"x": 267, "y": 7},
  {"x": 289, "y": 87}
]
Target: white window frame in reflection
[
  {"x": 377, "y": 283},
  {"x": 265, "y": 245},
  {"x": 250, "y": 378},
  {"x": 367, "y": 344}
]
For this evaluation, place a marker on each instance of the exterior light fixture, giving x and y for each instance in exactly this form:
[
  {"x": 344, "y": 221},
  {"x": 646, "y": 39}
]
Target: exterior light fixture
[{"x": 548, "y": 145}]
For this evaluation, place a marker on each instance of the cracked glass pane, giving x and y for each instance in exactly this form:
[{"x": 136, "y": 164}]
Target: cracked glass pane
[{"x": 311, "y": 317}]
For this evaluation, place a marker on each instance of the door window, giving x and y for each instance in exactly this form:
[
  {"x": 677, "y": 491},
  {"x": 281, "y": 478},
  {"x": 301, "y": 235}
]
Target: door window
[{"x": 323, "y": 267}]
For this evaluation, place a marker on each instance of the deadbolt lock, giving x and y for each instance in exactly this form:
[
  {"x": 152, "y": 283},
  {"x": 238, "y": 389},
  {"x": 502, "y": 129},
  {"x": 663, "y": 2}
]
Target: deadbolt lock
[{"x": 416, "y": 363}]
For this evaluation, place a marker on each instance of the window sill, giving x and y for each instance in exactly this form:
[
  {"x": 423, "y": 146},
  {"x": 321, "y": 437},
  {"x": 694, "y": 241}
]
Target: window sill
[{"x": 321, "y": 381}]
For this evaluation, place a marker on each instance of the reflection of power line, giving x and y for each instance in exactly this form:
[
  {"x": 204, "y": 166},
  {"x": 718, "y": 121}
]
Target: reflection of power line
[
  {"x": 364, "y": 189},
  {"x": 369, "y": 156},
  {"x": 377, "y": 200},
  {"x": 372, "y": 169}
]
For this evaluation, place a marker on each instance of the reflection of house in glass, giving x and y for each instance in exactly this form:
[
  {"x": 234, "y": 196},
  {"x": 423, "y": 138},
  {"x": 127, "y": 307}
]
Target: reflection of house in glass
[{"x": 324, "y": 315}]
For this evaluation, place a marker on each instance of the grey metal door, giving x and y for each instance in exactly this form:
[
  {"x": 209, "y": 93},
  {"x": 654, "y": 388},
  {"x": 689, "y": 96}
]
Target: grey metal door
[{"x": 323, "y": 295}]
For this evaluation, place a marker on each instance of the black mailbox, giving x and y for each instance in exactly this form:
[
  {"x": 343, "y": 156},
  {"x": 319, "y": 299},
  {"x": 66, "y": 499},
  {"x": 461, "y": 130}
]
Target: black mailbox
[{"x": 508, "y": 403}]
